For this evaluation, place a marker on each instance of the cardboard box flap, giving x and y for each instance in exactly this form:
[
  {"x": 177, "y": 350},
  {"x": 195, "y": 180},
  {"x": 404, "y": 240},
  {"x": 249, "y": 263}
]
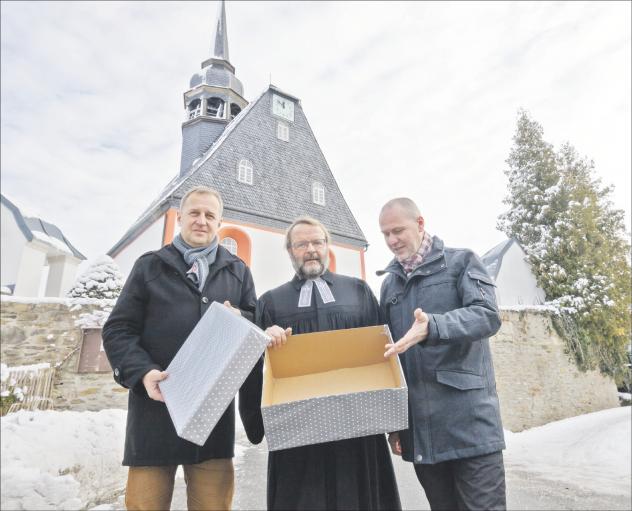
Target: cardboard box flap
[{"x": 330, "y": 363}]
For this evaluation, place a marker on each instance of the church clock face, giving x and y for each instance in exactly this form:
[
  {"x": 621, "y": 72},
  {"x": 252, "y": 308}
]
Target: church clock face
[{"x": 283, "y": 107}]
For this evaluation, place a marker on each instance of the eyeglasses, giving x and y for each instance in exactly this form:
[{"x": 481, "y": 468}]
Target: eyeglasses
[{"x": 302, "y": 245}]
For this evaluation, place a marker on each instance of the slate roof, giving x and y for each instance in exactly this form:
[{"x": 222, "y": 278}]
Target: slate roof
[
  {"x": 283, "y": 174},
  {"x": 493, "y": 258},
  {"x": 33, "y": 227}
]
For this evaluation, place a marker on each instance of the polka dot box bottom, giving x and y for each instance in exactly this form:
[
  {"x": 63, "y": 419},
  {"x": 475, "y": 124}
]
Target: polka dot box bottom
[
  {"x": 329, "y": 418},
  {"x": 209, "y": 369}
]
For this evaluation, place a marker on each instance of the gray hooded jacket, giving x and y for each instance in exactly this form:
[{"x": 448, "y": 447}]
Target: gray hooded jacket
[{"x": 453, "y": 405}]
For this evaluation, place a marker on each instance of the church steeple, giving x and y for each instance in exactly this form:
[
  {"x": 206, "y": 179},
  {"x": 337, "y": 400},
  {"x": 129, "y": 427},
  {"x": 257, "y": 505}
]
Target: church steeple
[
  {"x": 219, "y": 43},
  {"x": 215, "y": 97}
]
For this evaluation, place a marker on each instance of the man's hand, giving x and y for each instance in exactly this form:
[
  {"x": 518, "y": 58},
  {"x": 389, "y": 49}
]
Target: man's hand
[
  {"x": 396, "y": 446},
  {"x": 234, "y": 309},
  {"x": 150, "y": 381},
  {"x": 417, "y": 333},
  {"x": 279, "y": 336}
]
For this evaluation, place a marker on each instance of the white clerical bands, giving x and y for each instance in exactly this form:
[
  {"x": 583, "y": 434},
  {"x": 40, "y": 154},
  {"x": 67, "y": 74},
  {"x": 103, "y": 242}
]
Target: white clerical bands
[{"x": 305, "y": 298}]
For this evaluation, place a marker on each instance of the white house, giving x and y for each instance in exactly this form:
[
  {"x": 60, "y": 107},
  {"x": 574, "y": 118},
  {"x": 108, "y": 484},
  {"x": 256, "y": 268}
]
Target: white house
[
  {"x": 515, "y": 282},
  {"x": 264, "y": 159},
  {"x": 36, "y": 258}
]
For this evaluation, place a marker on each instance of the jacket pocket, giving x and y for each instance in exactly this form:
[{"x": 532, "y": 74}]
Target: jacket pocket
[
  {"x": 481, "y": 278},
  {"x": 461, "y": 381},
  {"x": 485, "y": 286}
]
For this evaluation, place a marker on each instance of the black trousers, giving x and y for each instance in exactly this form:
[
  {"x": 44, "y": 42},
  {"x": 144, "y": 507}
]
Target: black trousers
[{"x": 476, "y": 483}]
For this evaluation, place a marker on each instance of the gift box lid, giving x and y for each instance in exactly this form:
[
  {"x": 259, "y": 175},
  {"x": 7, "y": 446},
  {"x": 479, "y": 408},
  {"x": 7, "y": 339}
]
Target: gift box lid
[{"x": 209, "y": 369}]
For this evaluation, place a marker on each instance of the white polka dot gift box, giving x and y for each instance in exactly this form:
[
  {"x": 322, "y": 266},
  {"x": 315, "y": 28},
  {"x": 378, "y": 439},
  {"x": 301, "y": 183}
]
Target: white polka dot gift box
[
  {"x": 328, "y": 386},
  {"x": 209, "y": 369}
]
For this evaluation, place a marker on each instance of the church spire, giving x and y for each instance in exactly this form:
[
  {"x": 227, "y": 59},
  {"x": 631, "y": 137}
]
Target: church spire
[{"x": 219, "y": 42}]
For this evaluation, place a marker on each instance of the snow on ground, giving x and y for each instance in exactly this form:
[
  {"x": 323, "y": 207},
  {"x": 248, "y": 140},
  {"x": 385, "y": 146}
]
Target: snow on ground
[
  {"x": 591, "y": 450},
  {"x": 72, "y": 460},
  {"x": 61, "y": 460}
]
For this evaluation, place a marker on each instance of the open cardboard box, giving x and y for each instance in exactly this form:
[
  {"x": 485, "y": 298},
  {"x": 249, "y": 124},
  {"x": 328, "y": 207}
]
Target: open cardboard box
[{"x": 332, "y": 385}]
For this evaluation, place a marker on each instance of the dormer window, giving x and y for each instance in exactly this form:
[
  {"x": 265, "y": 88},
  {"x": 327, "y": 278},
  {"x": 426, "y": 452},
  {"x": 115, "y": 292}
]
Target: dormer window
[
  {"x": 283, "y": 131},
  {"x": 215, "y": 108},
  {"x": 318, "y": 194},
  {"x": 234, "y": 110},
  {"x": 244, "y": 172},
  {"x": 194, "y": 108}
]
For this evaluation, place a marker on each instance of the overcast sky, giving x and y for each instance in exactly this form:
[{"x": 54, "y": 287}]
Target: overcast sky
[{"x": 413, "y": 99}]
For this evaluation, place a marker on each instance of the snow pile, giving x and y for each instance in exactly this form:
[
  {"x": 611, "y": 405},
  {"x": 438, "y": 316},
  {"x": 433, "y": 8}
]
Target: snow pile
[
  {"x": 591, "y": 450},
  {"x": 72, "y": 460},
  {"x": 102, "y": 279},
  {"x": 61, "y": 460}
]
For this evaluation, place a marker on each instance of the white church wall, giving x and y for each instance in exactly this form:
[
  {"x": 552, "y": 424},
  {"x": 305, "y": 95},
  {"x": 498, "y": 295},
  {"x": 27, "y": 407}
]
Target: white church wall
[
  {"x": 12, "y": 241},
  {"x": 516, "y": 284},
  {"x": 347, "y": 261},
  {"x": 30, "y": 270},
  {"x": 269, "y": 262},
  {"x": 150, "y": 239}
]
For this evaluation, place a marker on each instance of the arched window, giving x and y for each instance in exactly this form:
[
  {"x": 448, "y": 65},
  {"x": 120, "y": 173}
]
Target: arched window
[
  {"x": 215, "y": 108},
  {"x": 194, "y": 108},
  {"x": 318, "y": 193},
  {"x": 234, "y": 110},
  {"x": 230, "y": 244},
  {"x": 240, "y": 239},
  {"x": 244, "y": 171}
]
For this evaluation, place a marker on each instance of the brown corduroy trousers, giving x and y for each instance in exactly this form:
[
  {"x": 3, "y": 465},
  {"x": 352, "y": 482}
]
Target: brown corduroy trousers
[{"x": 210, "y": 486}]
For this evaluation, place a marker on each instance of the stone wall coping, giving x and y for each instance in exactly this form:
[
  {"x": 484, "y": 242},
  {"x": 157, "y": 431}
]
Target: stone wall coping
[
  {"x": 549, "y": 309},
  {"x": 103, "y": 302}
]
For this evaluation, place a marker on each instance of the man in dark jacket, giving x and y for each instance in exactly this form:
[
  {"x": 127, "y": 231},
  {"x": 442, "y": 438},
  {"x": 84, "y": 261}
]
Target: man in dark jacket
[
  {"x": 455, "y": 436},
  {"x": 163, "y": 299}
]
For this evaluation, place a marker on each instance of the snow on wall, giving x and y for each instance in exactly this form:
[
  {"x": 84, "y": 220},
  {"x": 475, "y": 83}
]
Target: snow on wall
[{"x": 516, "y": 284}]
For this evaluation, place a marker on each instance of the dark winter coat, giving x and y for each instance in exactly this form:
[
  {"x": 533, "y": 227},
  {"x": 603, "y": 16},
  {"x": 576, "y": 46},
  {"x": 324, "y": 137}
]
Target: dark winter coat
[
  {"x": 155, "y": 312},
  {"x": 453, "y": 405}
]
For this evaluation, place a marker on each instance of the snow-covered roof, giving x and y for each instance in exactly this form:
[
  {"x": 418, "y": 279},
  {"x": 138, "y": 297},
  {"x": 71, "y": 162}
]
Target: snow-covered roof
[{"x": 36, "y": 228}]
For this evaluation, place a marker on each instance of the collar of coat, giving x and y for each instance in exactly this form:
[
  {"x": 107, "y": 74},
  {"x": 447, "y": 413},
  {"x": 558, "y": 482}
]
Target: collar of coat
[
  {"x": 298, "y": 282},
  {"x": 433, "y": 262},
  {"x": 172, "y": 257}
]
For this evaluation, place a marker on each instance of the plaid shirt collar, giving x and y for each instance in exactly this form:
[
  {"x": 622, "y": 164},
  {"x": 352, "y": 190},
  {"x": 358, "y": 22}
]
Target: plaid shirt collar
[{"x": 409, "y": 265}]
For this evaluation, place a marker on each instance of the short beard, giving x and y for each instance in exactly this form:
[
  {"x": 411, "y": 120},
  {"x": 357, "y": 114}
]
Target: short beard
[{"x": 312, "y": 273}]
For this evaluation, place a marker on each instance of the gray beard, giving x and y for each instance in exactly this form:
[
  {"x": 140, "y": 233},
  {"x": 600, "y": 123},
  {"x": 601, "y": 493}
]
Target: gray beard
[{"x": 312, "y": 273}]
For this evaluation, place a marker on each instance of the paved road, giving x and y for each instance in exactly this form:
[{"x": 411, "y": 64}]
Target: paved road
[{"x": 525, "y": 491}]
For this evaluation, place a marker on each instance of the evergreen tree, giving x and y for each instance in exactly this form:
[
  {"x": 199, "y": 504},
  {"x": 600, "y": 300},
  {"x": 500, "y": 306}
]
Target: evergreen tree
[
  {"x": 575, "y": 241},
  {"x": 102, "y": 279}
]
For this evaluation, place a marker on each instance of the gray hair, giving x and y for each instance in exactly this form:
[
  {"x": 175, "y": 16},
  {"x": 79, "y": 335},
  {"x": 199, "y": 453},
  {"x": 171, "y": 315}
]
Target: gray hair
[
  {"x": 203, "y": 189},
  {"x": 408, "y": 205},
  {"x": 305, "y": 220}
]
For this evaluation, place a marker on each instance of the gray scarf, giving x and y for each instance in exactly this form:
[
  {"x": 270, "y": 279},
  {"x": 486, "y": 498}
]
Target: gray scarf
[{"x": 200, "y": 258}]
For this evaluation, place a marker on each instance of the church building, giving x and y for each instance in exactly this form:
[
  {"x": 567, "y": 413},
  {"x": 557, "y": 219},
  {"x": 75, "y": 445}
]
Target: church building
[{"x": 265, "y": 161}]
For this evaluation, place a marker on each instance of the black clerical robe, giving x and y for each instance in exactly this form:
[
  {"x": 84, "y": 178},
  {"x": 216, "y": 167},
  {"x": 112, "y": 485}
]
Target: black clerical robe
[{"x": 347, "y": 474}]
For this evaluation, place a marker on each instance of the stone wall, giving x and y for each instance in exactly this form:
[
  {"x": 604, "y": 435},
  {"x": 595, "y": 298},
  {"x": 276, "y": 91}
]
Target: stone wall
[
  {"x": 45, "y": 331},
  {"x": 537, "y": 380}
]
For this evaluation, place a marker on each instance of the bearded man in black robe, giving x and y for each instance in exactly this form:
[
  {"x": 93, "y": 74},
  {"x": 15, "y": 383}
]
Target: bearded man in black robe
[{"x": 347, "y": 474}]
